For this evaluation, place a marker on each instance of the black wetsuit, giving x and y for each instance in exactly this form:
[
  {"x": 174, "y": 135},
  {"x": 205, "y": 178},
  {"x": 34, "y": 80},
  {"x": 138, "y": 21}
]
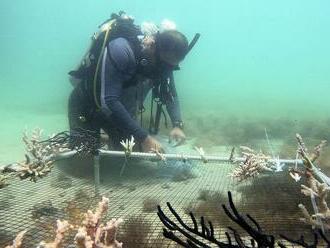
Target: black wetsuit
[{"x": 119, "y": 94}]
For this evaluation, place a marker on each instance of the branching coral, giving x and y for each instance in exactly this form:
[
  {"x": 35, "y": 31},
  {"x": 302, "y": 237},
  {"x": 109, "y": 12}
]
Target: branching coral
[
  {"x": 95, "y": 234},
  {"x": 309, "y": 159},
  {"x": 39, "y": 159},
  {"x": 41, "y": 154},
  {"x": 62, "y": 228},
  {"x": 316, "y": 190},
  {"x": 82, "y": 240},
  {"x": 17, "y": 243},
  {"x": 92, "y": 233},
  {"x": 128, "y": 145},
  {"x": 33, "y": 170},
  {"x": 256, "y": 163},
  {"x": 104, "y": 236},
  {"x": 253, "y": 165},
  {"x": 3, "y": 181}
]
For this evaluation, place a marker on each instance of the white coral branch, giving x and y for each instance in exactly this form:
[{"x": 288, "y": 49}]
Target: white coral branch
[
  {"x": 253, "y": 165},
  {"x": 317, "y": 150},
  {"x": 321, "y": 218},
  {"x": 62, "y": 228},
  {"x": 82, "y": 240},
  {"x": 92, "y": 234},
  {"x": 106, "y": 235},
  {"x": 308, "y": 219},
  {"x": 128, "y": 145},
  {"x": 201, "y": 152},
  {"x": 17, "y": 243},
  {"x": 39, "y": 157},
  {"x": 95, "y": 234}
]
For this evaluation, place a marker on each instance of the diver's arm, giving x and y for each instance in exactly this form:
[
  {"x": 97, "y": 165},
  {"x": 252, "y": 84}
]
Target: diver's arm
[
  {"x": 118, "y": 66},
  {"x": 173, "y": 104}
]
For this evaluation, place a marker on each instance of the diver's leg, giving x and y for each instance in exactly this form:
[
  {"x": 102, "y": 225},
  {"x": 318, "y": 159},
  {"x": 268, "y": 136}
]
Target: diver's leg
[{"x": 80, "y": 114}]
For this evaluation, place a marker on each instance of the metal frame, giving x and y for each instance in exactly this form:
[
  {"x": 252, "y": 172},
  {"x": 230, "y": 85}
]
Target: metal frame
[{"x": 169, "y": 156}]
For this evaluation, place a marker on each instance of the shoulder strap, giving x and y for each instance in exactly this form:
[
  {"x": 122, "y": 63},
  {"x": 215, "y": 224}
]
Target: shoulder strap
[{"x": 107, "y": 32}]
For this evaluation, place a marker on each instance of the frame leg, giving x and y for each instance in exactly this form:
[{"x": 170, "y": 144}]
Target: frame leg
[{"x": 97, "y": 173}]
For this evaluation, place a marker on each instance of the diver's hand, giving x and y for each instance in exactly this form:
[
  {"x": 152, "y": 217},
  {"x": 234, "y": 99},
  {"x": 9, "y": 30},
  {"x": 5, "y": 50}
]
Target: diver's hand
[
  {"x": 150, "y": 144},
  {"x": 178, "y": 136}
]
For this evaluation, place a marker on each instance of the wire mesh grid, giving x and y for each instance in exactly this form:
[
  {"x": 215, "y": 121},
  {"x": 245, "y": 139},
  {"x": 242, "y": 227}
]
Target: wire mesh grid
[{"x": 62, "y": 195}]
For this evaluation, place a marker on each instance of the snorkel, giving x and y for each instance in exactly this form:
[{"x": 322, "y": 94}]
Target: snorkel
[{"x": 193, "y": 42}]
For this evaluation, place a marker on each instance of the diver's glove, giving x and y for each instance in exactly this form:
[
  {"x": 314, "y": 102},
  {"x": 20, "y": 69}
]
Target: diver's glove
[
  {"x": 150, "y": 144},
  {"x": 177, "y": 136}
]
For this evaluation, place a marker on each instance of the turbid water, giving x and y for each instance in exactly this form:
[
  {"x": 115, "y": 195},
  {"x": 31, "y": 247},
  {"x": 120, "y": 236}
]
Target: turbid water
[
  {"x": 253, "y": 59},
  {"x": 257, "y": 65}
]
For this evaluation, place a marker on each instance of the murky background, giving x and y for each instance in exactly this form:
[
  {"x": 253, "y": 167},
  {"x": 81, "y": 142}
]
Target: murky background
[
  {"x": 257, "y": 65},
  {"x": 255, "y": 60}
]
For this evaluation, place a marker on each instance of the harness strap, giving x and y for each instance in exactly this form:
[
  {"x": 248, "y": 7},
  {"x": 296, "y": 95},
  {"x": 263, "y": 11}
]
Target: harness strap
[{"x": 99, "y": 62}]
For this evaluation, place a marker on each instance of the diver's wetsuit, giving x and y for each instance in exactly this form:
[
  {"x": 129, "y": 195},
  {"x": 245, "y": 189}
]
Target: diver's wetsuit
[{"x": 119, "y": 94}]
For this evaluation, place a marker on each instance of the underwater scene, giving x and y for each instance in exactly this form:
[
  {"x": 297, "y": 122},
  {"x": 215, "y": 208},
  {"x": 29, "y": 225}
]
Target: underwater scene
[{"x": 130, "y": 123}]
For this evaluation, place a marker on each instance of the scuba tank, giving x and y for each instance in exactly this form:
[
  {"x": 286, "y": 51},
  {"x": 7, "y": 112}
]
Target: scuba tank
[{"x": 118, "y": 25}]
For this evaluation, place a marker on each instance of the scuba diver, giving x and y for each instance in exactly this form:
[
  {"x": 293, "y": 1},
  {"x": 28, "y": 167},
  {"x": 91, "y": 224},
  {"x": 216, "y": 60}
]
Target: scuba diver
[{"x": 123, "y": 64}]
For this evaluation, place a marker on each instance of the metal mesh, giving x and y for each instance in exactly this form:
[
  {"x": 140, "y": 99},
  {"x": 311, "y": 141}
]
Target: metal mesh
[{"x": 69, "y": 191}]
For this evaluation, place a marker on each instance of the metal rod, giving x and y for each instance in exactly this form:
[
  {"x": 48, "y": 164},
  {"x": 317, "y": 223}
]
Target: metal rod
[
  {"x": 153, "y": 156},
  {"x": 156, "y": 157},
  {"x": 96, "y": 173}
]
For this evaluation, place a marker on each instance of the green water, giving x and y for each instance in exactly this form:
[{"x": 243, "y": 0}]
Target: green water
[
  {"x": 255, "y": 59},
  {"x": 258, "y": 64}
]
